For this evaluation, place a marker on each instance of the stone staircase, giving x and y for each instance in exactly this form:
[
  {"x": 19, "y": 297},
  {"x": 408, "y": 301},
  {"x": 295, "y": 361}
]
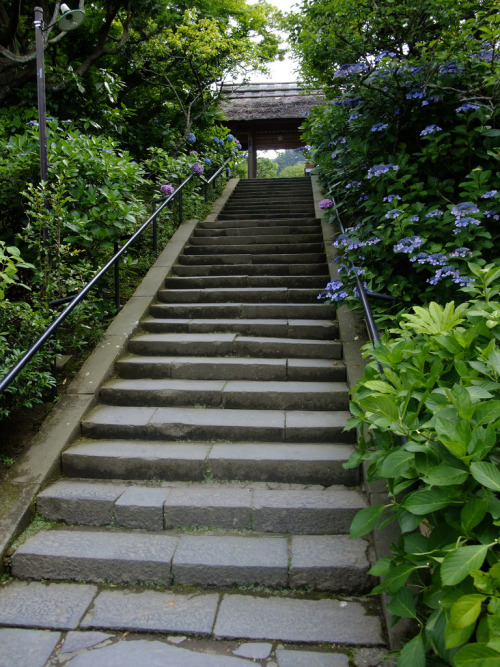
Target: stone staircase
[{"x": 206, "y": 495}]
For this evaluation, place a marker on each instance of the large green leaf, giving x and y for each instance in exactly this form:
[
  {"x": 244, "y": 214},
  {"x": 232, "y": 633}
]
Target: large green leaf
[
  {"x": 412, "y": 653},
  {"x": 397, "y": 577},
  {"x": 402, "y": 604},
  {"x": 396, "y": 463},
  {"x": 465, "y": 611},
  {"x": 459, "y": 563},
  {"x": 487, "y": 412},
  {"x": 473, "y": 512},
  {"x": 445, "y": 475},
  {"x": 366, "y": 520},
  {"x": 380, "y": 405},
  {"x": 425, "y": 501},
  {"x": 486, "y": 474},
  {"x": 477, "y": 655}
]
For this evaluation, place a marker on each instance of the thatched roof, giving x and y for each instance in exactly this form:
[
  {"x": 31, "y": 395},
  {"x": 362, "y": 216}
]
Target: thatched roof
[{"x": 264, "y": 101}]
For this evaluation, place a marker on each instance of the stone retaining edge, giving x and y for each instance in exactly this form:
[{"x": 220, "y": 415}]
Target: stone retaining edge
[
  {"x": 353, "y": 335},
  {"x": 40, "y": 464}
]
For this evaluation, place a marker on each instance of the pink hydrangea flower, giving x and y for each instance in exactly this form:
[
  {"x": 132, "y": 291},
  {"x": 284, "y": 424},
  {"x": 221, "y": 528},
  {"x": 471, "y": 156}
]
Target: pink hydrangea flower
[{"x": 325, "y": 203}]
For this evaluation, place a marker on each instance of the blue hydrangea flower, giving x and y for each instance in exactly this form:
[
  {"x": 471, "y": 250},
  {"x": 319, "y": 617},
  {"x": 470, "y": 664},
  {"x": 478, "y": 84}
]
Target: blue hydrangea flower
[
  {"x": 414, "y": 218},
  {"x": 464, "y": 208},
  {"x": 467, "y": 107},
  {"x": 451, "y": 68},
  {"x": 381, "y": 169},
  {"x": 489, "y": 194},
  {"x": 420, "y": 258},
  {"x": 408, "y": 244},
  {"x": 208, "y": 161},
  {"x": 32, "y": 123},
  {"x": 430, "y": 129},
  {"x": 463, "y": 223},
  {"x": 354, "y": 115},
  {"x": 429, "y": 100},
  {"x": 191, "y": 138},
  {"x": 334, "y": 291},
  {"x": 390, "y": 198},
  {"x": 378, "y": 127},
  {"x": 436, "y": 259},
  {"x": 460, "y": 252},
  {"x": 492, "y": 214},
  {"x": 394, "y": 213},
  {"x": 348, "y": 69},
  {"x": 433, "y": 214},
  {"x": 353, "y": 184},
  {"x": 229, "y": 138},
  {"x": 415, "y": 94},
  {"x": 197, "y": 168}
]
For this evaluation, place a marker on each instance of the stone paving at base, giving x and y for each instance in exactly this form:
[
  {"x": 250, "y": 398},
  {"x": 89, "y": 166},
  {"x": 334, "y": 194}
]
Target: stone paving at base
[{"x": 42, "y": 648}]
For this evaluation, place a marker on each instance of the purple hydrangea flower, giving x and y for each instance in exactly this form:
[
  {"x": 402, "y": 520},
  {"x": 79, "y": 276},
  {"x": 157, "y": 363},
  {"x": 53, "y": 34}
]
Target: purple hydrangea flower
[
  {"x": 197, "y": 168},
  {"x": 325, "y": 203},
  {"x": 167, "y": 189},
  {"x": 394, "y": 213},
  {"x": 195, "y": 153},
  {"x": 489, "y": 195},
  {"x": 460, "y": 252},
  {"x": 354, "y": 184},
  {"x": 378, "y": 127},
  {"x": 430, "y": 100},
  {"x": 381, "y": 169},
  {"x": 362, "y": 199},
  {"x": 467, "y": 107},
  {"x": 408, "y": 244}
]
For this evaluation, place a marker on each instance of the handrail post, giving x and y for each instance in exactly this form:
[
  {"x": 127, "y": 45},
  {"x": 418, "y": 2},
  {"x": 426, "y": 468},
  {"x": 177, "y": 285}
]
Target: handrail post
[
  {"x": 117, "y": 279},
  {"x": 181, "y": 213}
]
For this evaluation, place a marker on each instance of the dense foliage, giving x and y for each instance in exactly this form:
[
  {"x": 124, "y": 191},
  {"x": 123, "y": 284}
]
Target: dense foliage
[{"x": 407, "y": 148}]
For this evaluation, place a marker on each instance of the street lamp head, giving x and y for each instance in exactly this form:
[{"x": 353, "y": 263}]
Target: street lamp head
[{"x": 70, "y": 19}]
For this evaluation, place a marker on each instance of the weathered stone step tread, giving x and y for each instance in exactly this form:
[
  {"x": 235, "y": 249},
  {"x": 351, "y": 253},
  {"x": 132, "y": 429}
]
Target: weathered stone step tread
[
  {"x": 68, "y": 606},
  {"x": 203, "y": 344},
  {"x": 274, "y": 230},
  {"x": 227, "y": 506},
  {"x": 308, "y": 463},
  {"x": 231, "y": 294},
  {"x": 231, "y": 368},
  {"x": 295, "y": 311},
  {"x": 238, "y": 394},
  {"x": 282, "y": 328},
  {"x": 267, "y": 282},
  {"x": 153, "y": 423},
  {"x": 217, "y": 270},
  {"x": 199, "y": 560},
  {"x": 242, "y": 224},
  {"x": 262, "y": 249},
  {"x": 251, "y": 258}
]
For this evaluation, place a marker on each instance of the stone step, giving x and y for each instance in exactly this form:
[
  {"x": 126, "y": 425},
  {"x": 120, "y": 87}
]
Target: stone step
[
  {"x": 247, "y": 200},
  {"x": 267, "y": 230},
  {"x": 254, "y": 249},
  {"x": 231, "y": 368},
  {"x": 246, "y": 294},
  {"x": 93, "y": 613},
  {"x": 245, "y": 224},
  {"x": 268, "y": 214},
  {"x": 251, "y": 258},
  {"x": 263, "y": 209},
  {"x": 167, "y": 559},
  {"x": 182, "y": 423},
  {"x": 294, "y": 463},
  {"x": 227, "y": 394},
  {"x": 295, "y": 311},
  {"x": 258, "y": 239},
  {"x": 224, "y": 344},
  {"x": 316, "y": 269},
  {"x": 202, "y": 282},
  {"x": 229, "y": 506},
  {"x": 312, "y": 329}
]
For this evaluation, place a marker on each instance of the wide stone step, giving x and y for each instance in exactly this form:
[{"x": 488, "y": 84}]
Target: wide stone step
[
  {"x": 268, "y": 214},
  {"x": 316, "y": 269},
  {"x": 295, "y": 311},
  {"x": 267, "y": 230},
  {"x": 230, "y": 506},
  {"x": 193, "y": 560},
  {"x": 179, "y": 423},
  {"x": 238, "y": 394},
  {"x": 250, "y": 258},
  {"x": 246, "y": 294},
  {"x": 231, "y": 368},
  {"x": 268, "y": 282},
  {"x": 258, "y": 239},
  {"x": 293, "y": 224},
  {"x": 306, "y": 463},
  {"x": 262, "y": 209},
  {"x": 223, "y": 344},
  {"x": 253, "y": 248},
  {"x": 312, "y": 329}
]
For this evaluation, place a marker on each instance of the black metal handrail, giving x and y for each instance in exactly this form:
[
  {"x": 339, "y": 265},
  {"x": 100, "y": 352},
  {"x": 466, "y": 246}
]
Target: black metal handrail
[
  {"x": 78, "y": 298},
  {"x": 364, "y": 293}
]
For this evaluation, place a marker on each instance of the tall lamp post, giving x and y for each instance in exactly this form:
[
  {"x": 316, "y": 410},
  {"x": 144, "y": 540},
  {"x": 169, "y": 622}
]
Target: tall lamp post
[{"x": 69, "y": 20}]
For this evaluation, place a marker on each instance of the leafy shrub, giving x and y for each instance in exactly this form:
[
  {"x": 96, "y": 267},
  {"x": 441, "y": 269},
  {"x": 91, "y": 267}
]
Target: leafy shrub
[{"x": 429, "y": 405}]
